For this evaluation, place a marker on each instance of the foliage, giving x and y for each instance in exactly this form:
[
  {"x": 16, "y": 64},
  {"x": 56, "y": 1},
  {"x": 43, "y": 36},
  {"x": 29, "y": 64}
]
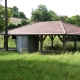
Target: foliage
[
  {"x": 11, "y": 42},
  {"x": 24, "y": 22},
  {"x": 2, "y": 17},
  {"x": 14, "y": 66},
  {"x": 18, "y": 14},
  {"x": 22, "y": 15},
  {"x": 52, "y": 16},
  {"x": 63, "y": 18},
  {"x": 19, "y": 25},
  {"x": 12, "y": 26},
  {"x": 75, "y": 20},
  {"x": 14, "y": 9},
  {"x": 42, "y": 14}
]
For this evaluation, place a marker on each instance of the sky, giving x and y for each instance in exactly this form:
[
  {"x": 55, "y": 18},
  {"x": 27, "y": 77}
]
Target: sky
[{"x": 60, "y": 7}]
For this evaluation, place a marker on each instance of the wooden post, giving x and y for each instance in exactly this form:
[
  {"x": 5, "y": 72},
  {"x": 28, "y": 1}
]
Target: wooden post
[
  {"x": 64, "y": 43},
  {"x": 41, "y": 42},
  {"x": 52, "y": 42},
  {"x": 51, "y": 37},
  {"x": 75, "y": 44}
]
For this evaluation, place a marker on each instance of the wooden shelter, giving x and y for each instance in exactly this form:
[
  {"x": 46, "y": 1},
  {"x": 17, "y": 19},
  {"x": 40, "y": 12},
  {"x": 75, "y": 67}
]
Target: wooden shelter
[{"x": 65, "y": 32}]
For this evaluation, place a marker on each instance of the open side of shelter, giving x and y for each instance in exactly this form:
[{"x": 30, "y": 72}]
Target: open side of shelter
[
  {"x": 63, "y": 38},
  {"x": 29, "y": 36}
]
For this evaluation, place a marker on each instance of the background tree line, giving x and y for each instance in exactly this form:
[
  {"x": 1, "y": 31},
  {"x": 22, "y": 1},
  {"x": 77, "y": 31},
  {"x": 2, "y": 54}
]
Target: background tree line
[
  {"x": 17, "y": 14},
  {"x": 75, "y": 20},
  {"x": 41, "y": 13}
]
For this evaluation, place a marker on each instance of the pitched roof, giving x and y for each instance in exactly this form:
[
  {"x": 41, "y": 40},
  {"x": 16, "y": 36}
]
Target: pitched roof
[{"x": 46, "y": 28}]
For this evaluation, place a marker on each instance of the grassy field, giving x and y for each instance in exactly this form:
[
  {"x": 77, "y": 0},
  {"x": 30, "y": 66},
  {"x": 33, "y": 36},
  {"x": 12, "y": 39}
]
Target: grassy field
[
  {"x": 36, "y": 66},
  {"x": 15, "y": 20}
]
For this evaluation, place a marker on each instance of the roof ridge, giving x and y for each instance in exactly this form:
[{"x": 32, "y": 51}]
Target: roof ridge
[
  {"x": 63, "y": 27},
  {"x": 47, "y": 21}
]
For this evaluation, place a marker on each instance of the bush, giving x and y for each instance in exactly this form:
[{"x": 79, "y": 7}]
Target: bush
[
  {"x": 12, "y": 26},
  {"x": 19, "y": 25}
]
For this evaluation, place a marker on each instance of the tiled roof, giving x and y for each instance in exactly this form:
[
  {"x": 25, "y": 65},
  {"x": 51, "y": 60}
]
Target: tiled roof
[
  {"x": 48, "y": 27},
  {"x": 71, "y": 29}
]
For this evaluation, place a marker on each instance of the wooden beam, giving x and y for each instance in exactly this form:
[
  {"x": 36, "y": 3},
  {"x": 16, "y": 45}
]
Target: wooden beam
[
  {"x": 52, "y": 37},
  {"x": 72, "y": 38},
  {"x": 44, "y": 37},
  {"x": 41, "y": 37},
  {"x": 60, "y": 38},
  {"x": 78, "y": 37}
]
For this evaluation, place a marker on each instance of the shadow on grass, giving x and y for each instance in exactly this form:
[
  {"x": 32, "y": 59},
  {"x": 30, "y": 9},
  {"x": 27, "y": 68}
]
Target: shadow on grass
[{"x": 38, "y": 70}]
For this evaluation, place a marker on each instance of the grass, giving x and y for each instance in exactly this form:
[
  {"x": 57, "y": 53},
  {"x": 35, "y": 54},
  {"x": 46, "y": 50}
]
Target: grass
[
  {"x": 15, "y": 20},
  {"x": 35, "y": 66}
]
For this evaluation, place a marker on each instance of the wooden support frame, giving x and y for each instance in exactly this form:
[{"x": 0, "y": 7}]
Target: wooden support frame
[
  {"x": 72, "y": 38},
  {"x": 52, "y": 38},
  {"x": 78, "y": 38},
  {"x": 41, "y": 39},
  {"x": 64, "y": 38},
  {"x": 60, "y": 38}
]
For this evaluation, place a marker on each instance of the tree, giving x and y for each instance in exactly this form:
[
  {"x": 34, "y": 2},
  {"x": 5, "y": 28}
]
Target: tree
[
  {"x": 63, "y": 18},
  {"x": 17, "y": 14},
  {"x": 24, "y": 22},
  {"x": 2, "y": 21},
  {"x": 2, "y": 17},
  {"x": 74, "y": 20},
  {"x": 14, "y": 9},
  {"x": 42, "y": 14},
  {"x": 39, "y": 13},
  {"x": 52, "y": 16},
  {"x": 22, "y": 15},
  {"x": 12, "y": 26}
]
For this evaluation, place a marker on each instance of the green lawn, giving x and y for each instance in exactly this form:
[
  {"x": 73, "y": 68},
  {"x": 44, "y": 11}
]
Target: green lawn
[{"x": 35, "y": 66}]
